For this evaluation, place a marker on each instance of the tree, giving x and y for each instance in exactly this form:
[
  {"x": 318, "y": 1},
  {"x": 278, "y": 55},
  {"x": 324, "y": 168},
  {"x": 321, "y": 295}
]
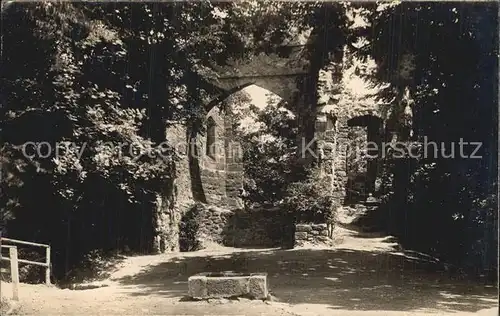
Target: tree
[
  {"x": 269, "y": 158},
  {"x": 416, "y": 46},
  {"x": 105, "y": 75}
]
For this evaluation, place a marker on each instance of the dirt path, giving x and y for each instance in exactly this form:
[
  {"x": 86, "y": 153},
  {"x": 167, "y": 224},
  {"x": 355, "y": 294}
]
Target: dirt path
[{"x": 362, "y": 276}]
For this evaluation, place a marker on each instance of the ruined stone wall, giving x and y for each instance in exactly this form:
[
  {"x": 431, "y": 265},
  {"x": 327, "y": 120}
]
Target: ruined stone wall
[
  {"x": 310, "y": 234},
  {"x": 213, "y": 171},
  {"x": 221, "y": 177},
  {"x": 217, "y": 182},
  {"x": 240, "y": 228},
  {"x": 210, "y": 223},
  {"x": 342, "y": 146},
  {"x": 234, "y": 163},
  {"x": 176, "y": 197},
  {"x": 259, "y": 228},
  {"x": 340, "y": 161},
  {"x": 332, "y": 136},
  {"x": 199, "y": 178}
]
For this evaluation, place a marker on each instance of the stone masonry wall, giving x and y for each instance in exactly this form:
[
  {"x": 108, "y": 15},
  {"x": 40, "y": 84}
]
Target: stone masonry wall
[
  {"x": 310, "y": 234},
  {"x": 344, "y": 161},
  {"x": 213, "y": 171},
  {"x": 221, "y": 178},
  {"x": 199, "y": 178},
  {"x": 177, "y": 197},
  {"x": 333, "y": 136},
  {"x": 240, "y": 228},
  {"x": 234, "y": 163},
  {"x": 212, "y": 223},
  {"x": 217, "y": 181},
  {"x": 260, "y": 228}
]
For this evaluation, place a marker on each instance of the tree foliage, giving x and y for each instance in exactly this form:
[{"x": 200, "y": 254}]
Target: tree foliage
[
  {"x": 101, "y": 84},
  {"x": 270, "y": 159},
  {"x": 436, "y": 59}
]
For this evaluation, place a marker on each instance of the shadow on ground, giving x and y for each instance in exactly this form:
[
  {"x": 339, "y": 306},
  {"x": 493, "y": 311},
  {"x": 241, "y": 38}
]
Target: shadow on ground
[{"x": 340, "y": 279}]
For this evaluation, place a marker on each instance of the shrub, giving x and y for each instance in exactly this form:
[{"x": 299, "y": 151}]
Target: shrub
[
  {"x": 188, "y": 229},
  {"x": 310, "y": 200}
]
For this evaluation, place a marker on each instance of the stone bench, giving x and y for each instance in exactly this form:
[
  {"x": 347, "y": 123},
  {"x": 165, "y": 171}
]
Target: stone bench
[{"x": 228, "y": 284}]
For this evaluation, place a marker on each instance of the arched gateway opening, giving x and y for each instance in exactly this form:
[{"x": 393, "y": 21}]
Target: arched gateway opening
[
  {"x": 219, "y": 170},
  {"x": 215, "y": 166}
]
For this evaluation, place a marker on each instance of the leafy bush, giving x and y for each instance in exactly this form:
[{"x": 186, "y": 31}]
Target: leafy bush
[
  {"x": 30, "y": 273},
  {"x": 310, "y": 200},
  {"x": 188, "y": 228},
  {"x": 274, "y": 176},
  {"x": 269, "y": 156}
]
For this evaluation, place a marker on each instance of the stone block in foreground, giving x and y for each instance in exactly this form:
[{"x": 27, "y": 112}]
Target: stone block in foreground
[{"x": 228, "y": 284}]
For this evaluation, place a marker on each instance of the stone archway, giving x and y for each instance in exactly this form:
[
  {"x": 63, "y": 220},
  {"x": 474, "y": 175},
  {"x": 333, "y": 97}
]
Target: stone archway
[
  {"x": 276, "y": 72},
  {"x": 281, "y": 73},
  {"x": 217, "y": 180}
]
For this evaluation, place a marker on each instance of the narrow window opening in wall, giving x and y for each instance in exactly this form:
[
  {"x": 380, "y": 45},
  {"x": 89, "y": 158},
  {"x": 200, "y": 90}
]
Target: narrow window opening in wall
[
  {"x": 321, "y": 123},
  {"x": 210, "y": 145},
  {"x": 330, "y": 122},
  {"x": 321, "y": 127}
]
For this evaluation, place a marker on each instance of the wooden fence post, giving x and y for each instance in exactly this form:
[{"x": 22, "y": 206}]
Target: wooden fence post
[
  {"x": 14, "y": 273},
  {"x": 47, "y": 269}
]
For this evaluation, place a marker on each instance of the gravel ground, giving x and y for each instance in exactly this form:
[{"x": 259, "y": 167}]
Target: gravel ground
[{"x": 362, "y": 276}]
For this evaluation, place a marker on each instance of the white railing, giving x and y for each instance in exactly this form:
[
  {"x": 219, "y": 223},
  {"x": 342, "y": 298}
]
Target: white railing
[{"x": 14, "y": 261}]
